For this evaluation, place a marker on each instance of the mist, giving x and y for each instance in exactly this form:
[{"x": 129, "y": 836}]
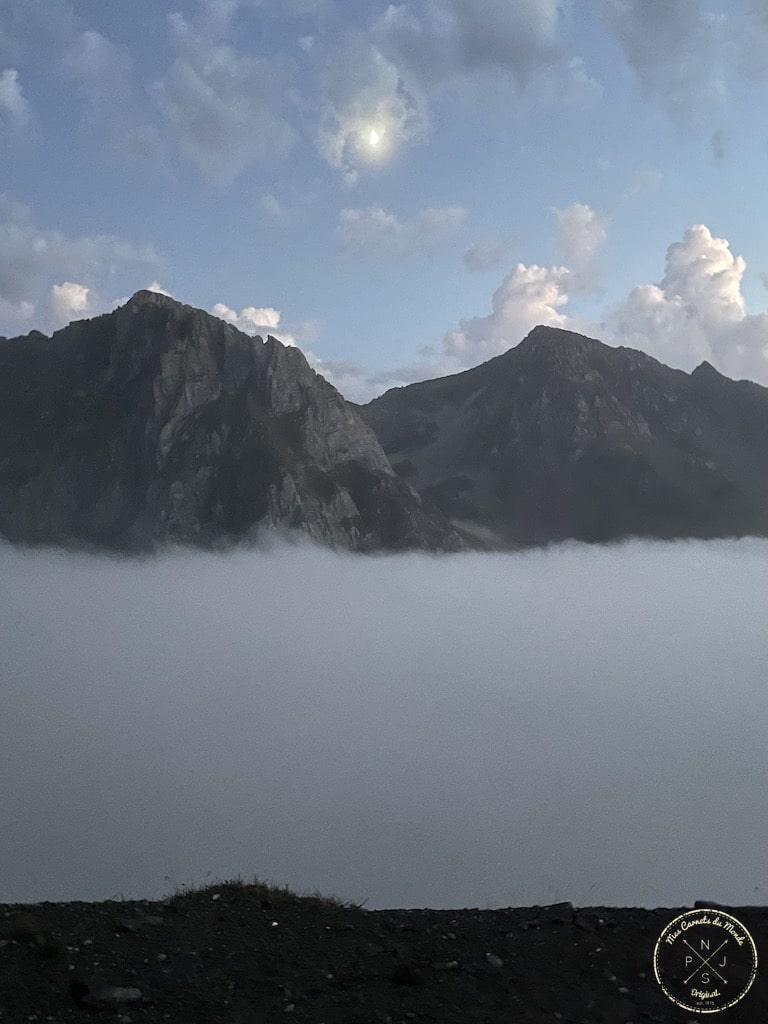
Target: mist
[{"x": 577, "y": 723}]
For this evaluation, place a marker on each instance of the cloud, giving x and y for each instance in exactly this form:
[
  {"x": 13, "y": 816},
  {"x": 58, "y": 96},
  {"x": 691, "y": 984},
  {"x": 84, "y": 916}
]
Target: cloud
[
  {"x": 672, "y": 48},
  {"x": 579, "y": 89},
  {"x": 155, "y": 286},
  {"x": 225, "y": 108},
  {"x": 70, "y": 301},
  {"x": 696, "y": 311},
  {"x": 528, "y": 296},
  {"x": 485, "y": 254},
  {"x": 754, "y": 39},
  {"x": 362, "y": 91},
  {"x": 439, "y": 41},
  {"x": 104, "y": 72},
  {"x": 642, "y": 182},
  {"x": 455, "y": 731},
  {"x": 14, "y": 109},
  {"x": 264, "y": 320},
  {"x": 580, "y": 234},
  {"x": 32, "y": 260},
  {"x": 377, "y": 235},
  {"x": 273, "y": 208}
]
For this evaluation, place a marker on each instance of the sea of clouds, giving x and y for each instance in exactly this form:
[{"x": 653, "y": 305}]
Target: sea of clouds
[{"x": 583, "y": 723}]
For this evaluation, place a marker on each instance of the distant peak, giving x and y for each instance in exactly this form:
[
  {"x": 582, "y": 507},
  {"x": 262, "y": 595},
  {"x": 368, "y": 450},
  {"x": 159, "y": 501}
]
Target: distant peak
[
  {"x": 705, "y": 369},
  {"x": 542, "y": 337},
  {"x": 145, "y": 297}
]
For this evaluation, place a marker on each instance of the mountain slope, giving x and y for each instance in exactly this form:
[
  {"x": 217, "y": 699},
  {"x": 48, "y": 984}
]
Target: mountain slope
[
  {"x": 160, "y": 423},
  {"x": 564, "y": 437}
]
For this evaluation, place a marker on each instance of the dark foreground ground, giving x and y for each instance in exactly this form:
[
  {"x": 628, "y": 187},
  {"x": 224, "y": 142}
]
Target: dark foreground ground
[{"x": 242, "y": 954}]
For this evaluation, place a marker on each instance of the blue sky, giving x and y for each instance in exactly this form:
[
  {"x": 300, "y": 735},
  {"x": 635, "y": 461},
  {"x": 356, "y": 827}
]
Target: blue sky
[{"x": 402, "y": 190}]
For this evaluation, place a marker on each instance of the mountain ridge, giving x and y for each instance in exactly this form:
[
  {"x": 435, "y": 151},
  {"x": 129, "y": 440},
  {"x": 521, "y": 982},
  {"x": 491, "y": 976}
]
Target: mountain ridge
[
  {"x": 160, "y": 423},
  {"x": 564, "y": 437}
]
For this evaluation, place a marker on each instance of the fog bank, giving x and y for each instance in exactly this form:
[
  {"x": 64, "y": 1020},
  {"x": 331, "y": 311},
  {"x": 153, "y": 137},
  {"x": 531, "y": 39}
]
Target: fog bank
[{"x": 472, "y": 730}]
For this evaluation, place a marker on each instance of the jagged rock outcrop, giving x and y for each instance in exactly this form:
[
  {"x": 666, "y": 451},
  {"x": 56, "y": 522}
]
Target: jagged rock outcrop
[
  {"x": 159, "y": 423},
  {"x": 564, "y": 437}
]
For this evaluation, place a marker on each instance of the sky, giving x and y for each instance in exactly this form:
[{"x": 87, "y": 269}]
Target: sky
[
  {"x": 402, "y": 190},
  {"x": 473, "y": 730}
]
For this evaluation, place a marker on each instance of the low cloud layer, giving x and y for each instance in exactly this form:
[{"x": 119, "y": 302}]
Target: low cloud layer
[{"x": 414, "y": 731}]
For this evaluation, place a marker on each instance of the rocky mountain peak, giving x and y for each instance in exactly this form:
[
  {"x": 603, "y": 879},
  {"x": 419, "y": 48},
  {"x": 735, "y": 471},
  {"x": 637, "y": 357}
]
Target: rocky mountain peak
[{"x": 161, "y": 423}]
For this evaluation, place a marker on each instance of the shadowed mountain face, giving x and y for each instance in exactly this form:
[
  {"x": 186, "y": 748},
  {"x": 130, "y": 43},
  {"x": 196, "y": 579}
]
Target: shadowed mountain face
[
  {"x": 160, "y": 423},
  {"x": 564, "y": 437}
]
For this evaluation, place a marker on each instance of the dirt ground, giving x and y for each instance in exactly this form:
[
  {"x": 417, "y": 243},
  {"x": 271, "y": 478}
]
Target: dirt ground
[{"x": 240, "y": 954}]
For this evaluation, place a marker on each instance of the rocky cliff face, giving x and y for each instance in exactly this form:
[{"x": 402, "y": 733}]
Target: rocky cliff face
[
  {"x": 159, "y": 423},
  {"x": 564, "y": 437}
]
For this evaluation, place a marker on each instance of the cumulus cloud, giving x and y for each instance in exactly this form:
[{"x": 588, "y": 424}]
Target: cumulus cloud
[
  {"x": 264, "y": 320},
  {"x": 14, "y": 109},
  {"x": 226, "y": 108},
  {"x": 71, "y": 301},
  {"x": 672, "y": 47},
  {"x": 529, "y": 295},
  {"x": 32, "y": 260},
  {"x": 485, "y": 254},
  {"x": 696, "y": 311},
  {"x": 378, "y": 235}
]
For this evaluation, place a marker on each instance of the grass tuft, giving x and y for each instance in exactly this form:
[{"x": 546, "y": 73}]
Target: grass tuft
[{"x": 266, "y": 891}]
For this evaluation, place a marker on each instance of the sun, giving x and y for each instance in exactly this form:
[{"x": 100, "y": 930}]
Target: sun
[{"x": 374, "y": 138}]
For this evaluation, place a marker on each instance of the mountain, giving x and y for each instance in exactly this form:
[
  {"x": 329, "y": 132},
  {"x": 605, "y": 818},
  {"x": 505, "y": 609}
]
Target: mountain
[
  {"x": 159, "y": 423},
  {"x": 565, "y": 437}
]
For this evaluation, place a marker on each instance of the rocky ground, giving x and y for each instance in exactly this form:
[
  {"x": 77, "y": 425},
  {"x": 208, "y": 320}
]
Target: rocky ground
[{"x": 245, "y": 954}]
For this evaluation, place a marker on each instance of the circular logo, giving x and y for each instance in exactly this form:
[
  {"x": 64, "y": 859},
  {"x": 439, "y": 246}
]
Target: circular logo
[{"x": 705, "y": 961}]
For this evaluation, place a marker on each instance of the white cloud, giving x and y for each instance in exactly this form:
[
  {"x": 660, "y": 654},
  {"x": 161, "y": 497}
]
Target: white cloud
[
  {"x": 264, "y": 320},
  {"x": 70, "y": 301},
  {"x": 376, "y": 234},
  {"x": 485, "y": 254},
  {"x": 696, "y": 311},
  {"x": 155, "y": 286},
  {"x": 580, "y": 234},
  {"x": 225, "y": 107},
  {"x": 13, "y": 106},
  {"x": 528, "y": 296}
]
